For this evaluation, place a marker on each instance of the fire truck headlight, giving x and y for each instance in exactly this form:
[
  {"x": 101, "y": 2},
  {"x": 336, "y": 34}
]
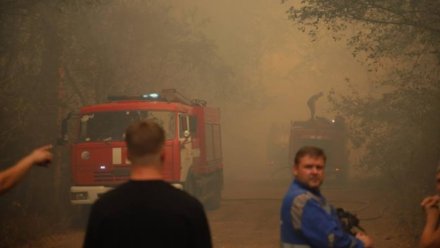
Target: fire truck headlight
[
  {"x": 150, "y": 95},
  {"x": 85, "y": 155}
]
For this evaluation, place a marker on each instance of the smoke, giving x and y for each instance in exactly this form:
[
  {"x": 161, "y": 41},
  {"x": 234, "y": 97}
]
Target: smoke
[{"x": 278, "y": 68}]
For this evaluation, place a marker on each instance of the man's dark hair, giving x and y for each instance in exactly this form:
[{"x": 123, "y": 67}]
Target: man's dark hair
[
  {"x": 311, "y": 151},
  {"x": 144, "y": 138}
]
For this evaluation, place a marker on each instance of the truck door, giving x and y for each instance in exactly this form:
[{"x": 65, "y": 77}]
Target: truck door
[{"x": 185, "y": 141}]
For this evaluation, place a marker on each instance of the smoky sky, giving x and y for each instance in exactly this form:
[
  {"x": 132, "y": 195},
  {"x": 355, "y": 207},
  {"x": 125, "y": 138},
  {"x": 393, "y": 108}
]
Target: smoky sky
[{"x": 265, "y": 48}]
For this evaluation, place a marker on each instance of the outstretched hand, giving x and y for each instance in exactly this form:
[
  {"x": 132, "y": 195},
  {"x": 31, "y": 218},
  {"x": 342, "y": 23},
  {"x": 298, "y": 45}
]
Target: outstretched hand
[
  {"x": 366, "y": 240},
  {"x": 42, "y": 155},
  {"x": 11, "y": 176},
  {"x": 430, "y": 202}
]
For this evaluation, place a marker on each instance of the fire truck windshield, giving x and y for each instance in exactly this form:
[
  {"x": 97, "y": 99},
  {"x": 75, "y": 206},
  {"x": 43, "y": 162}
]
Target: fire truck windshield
[{"x": 110, "y": 126}]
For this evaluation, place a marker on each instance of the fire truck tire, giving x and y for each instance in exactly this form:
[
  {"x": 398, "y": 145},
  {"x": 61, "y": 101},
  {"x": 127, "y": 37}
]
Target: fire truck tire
[
  {"x": 213, "y": 202},
  {"x": 207, "y": 190},
  {"x": 190, "y": 185}
]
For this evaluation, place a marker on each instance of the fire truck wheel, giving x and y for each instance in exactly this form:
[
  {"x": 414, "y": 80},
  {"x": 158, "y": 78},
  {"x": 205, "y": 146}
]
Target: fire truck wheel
[
  {"x": 214, "y": 200},
  {"x": 190, "y": 185}
]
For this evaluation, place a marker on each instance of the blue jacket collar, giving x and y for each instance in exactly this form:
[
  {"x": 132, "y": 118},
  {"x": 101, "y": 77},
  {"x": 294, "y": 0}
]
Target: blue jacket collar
[{"x": 303, "y": 186}]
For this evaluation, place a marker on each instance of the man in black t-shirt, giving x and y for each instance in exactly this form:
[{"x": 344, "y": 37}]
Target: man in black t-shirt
[{"x": 147, "y": 211}]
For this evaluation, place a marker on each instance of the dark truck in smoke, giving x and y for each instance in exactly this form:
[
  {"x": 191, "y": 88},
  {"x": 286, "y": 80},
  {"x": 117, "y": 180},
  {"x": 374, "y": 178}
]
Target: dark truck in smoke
[
  {"x": 326, "y": 134},
  {"x": 193, "y": 145}
]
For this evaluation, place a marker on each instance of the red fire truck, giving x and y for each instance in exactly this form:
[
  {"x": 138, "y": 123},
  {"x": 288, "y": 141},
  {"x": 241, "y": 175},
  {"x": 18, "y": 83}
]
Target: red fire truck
[
  {"x": 326, "y": 134},
  {"x": 193, "y": 145}
]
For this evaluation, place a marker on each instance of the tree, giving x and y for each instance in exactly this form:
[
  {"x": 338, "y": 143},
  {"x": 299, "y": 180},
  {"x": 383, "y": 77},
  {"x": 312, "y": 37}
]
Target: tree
[
  {"x": 399, "y": 126},
  {"x": 56, "y": 56},
  {"x": 136, "y": 46}
]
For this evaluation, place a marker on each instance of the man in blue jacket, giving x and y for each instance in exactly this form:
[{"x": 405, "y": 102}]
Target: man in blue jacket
[{"x": 307, "y": 220}]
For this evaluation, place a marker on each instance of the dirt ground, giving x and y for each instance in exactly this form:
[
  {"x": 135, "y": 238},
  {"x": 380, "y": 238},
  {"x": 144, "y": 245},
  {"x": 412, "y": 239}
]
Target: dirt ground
[{"x": 249, "y": 215}]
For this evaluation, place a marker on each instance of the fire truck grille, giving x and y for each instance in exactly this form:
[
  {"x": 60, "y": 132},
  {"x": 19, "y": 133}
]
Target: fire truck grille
[{"x": 118, "y": 174}]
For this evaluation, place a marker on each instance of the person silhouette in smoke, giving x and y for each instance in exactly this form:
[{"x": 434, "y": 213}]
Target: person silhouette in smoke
[{"x": 311, "y": 104}]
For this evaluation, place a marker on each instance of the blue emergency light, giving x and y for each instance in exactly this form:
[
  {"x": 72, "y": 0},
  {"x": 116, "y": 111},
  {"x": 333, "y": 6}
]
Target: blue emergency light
[{"x": 166, "y": 95}]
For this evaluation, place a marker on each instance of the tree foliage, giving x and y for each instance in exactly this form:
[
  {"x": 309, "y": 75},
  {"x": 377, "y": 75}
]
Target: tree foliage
[
  {"x": 64, "y": 54},
  {"x": 397, "y": 125},
  {"x": 381, "y": 28},
  {"x": 132, "y": 47},
  {"x": 57, "y": 55},
  {"x": 403, "y": 38}
]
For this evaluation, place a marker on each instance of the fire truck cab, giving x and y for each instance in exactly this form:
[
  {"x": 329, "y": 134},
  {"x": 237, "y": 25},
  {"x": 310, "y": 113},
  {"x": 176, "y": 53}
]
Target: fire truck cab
[
  {"x": 193, "y": 145},
  {"x": 329, "y": 135}
]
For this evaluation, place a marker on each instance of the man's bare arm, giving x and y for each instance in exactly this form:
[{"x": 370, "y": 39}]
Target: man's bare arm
[{"x": 12, "y": 175}]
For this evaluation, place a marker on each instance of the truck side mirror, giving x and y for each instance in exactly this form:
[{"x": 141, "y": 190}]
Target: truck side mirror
[
  {"x": 64, "y": 137},
  {"x": 186, "y": 134}
]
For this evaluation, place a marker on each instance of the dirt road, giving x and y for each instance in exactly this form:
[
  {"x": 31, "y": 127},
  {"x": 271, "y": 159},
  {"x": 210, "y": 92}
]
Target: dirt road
[{"x": 249, "y": 215}]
